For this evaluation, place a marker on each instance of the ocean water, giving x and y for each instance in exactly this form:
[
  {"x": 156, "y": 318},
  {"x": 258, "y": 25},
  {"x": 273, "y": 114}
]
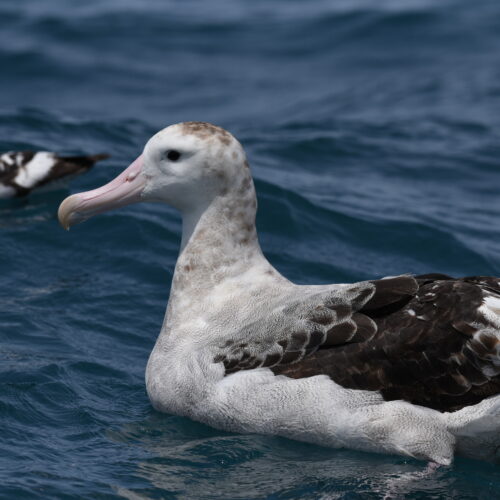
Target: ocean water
[{"x": 373, "y": 131}]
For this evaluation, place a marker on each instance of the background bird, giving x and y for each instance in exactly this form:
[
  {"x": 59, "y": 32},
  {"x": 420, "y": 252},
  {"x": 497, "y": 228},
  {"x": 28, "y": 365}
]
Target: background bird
[{"x": 23, "y": 171}]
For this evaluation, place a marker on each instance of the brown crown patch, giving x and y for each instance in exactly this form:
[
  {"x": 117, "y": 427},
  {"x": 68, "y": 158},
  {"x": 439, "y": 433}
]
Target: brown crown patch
[{"x": 205, "y": 130}]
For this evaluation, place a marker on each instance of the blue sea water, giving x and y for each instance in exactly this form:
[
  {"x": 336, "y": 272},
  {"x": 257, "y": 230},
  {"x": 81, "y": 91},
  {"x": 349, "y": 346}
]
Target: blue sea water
[{"x": 373, "y": 131}]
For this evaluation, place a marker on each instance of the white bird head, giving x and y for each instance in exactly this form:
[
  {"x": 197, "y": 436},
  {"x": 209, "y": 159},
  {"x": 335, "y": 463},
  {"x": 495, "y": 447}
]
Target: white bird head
[{"x": 186, "y": 165}]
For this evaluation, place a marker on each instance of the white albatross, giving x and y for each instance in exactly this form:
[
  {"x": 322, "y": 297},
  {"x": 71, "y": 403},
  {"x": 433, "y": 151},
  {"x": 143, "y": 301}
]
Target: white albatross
[{"x": 405, "y": 365}]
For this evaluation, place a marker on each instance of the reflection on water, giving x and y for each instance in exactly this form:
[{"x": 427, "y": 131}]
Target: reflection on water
[
  {"x": 189, "y": 460},
  {"x": 37, "y": 208}
]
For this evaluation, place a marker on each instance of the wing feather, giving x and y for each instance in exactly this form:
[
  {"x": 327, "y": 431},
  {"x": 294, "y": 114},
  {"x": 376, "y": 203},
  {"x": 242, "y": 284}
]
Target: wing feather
[{"x": 429, "y": 339}]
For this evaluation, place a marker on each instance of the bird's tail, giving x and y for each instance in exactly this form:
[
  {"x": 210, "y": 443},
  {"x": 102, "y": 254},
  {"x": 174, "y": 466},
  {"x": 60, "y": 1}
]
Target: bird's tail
[
  {"x": 99, "y": 157},
  {"x": 477, "y": 430},
  {"x": 87, "y": 160}
]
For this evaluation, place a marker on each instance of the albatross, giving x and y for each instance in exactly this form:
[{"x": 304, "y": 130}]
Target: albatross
[
  {"x": 407, "y": 365},
  {"x": 23, "y": 171}
]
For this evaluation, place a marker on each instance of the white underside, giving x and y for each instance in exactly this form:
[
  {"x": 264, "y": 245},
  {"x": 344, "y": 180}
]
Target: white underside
[{"x": 317, "y": 410}]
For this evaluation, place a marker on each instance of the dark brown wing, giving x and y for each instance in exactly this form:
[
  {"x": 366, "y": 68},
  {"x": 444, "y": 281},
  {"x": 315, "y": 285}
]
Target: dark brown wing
[
  {"x": 73, "y": 165},
  {"x": 439, "y": 348},
  {"x": 296, "y": 326},
  {"x": 310, "y": 318}
]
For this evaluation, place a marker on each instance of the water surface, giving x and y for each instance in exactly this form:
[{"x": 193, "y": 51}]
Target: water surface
[{"x": 372, "y": 128}]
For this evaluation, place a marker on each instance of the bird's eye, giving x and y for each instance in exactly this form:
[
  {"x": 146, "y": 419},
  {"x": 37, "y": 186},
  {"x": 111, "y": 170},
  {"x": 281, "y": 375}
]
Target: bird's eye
[{"x": 173, "y": 155}]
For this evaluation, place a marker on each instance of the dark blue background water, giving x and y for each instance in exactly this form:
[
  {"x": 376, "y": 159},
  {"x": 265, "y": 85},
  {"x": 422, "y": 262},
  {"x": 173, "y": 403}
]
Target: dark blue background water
[{"x": 373, "y": 131}]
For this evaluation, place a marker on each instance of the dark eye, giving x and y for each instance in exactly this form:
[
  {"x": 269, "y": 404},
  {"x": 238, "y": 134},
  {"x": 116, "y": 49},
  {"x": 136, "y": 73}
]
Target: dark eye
[{"x": 173, "y": 155}]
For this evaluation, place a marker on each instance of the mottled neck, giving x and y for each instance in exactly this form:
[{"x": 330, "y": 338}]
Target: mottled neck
[{"x": 220, "y": 239}]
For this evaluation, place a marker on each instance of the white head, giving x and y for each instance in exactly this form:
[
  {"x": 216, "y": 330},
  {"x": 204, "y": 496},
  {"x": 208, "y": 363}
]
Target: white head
[{"x": 186, "y": 165}]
